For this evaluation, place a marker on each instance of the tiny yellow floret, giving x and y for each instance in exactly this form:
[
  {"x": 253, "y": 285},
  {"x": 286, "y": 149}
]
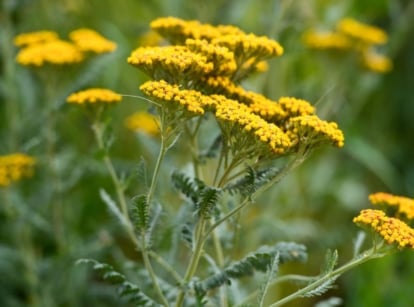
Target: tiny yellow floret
[
  {"x": 90, "y": 40},
  {"x": 32, "y": 38},
  {"x": 14, "y": 167}
]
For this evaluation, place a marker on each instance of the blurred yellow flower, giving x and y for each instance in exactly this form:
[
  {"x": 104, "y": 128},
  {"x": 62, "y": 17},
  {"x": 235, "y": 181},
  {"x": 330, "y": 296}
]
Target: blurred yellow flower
[
  {"x": 376, "y": 62},
  {"x": 31, "y": 38},
  {"x": 14, "y": 167},
  {"x": 143, "y": 121},
  {"x": 94, "y": 96},
  {"x": 54, "y": 52},
  {"x": 326, "y": 40},
  {"x": 90, "y": 40},
  {"x": 362, "y": 32}
]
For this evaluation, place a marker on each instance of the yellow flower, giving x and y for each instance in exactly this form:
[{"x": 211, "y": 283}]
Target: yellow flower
[
  {"x": 326, "y": 40},
  {"x": 404, "y": 205},
  {"x": 31, "y": 38},
  {"x": 178, "y": 30},
  {"x": 150, "y": 39},
  {"x": 166, "y": 94},
  {"x": 392, "y": 230},
  {"x": 310, "y": 129},
  {"x": 295, "y": 106},
  {"x": 362, "y": 32},
  {"x": 172, "y": 63},
  {"x": 94, "y": 96},
  {"x": 376, "y": 62},
  {"x": 90, "y": 40},
  {"x": 234, "y": 113},
  {"x": 143, "y": 121},
  {"x": 55, "y": 52},
  {"x": 246, "y": 46},
  {"x": 221, "y": 57},
  {"x": 14, "y": 167}
]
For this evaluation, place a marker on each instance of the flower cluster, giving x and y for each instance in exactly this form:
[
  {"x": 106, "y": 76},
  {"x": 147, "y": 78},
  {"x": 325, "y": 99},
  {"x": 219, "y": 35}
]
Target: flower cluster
[
  {"x": 392, "y": 228},
  {"x": 90, "y": 40},
  {"x": 94, "y": 96},
  {"x": 200, "y": 74},
  {"x": 14, "y": 167},
  {"x": 403, "y": 205},
  {"x": 353, "y": 35},
  {"x": 45, "y": 47}
]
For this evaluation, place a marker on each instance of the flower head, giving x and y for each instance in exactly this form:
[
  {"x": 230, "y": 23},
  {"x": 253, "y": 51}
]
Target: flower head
[
  {"x": 14, "y": 167},
  {"x": 221, "y": 57},
  {"x": 326, "y": 40},
  {"x": 310, "y": 129},
  {"x": 234, "y": 113},
  {"x": 362, "y": 32},
  {"x": 54, "y": 52},
  {"x": 178, "y": 30},
  {"x": 171, "y": 63},
  {"x": 143, "y": 121},
  {"x": 376, "y": 62},
  {"x": 392, "y": 230},
  {"x": 94, "y": 96},
  {"x": 90, "y": 40},
  {"x": 32, "y": 38},
  {"x": 404, "y": 205},
  {"x": 171, "y": 96}
]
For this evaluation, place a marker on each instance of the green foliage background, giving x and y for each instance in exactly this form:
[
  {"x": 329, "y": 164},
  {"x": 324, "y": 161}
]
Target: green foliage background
[{"x": 45, "y": 232}]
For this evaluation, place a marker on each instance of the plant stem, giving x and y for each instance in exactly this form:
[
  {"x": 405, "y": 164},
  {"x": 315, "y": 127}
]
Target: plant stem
[
  {"x": 368, "y": 255},
  {"x": 192, "y": 267},
  {"x": 166, "y": 266},
  {"x": 150, "y": 270},
  {"x": 97, "y": 128}
]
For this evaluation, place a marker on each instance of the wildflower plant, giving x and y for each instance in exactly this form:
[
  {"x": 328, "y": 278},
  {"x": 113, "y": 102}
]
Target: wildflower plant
[{"x": 237, "y": 144}]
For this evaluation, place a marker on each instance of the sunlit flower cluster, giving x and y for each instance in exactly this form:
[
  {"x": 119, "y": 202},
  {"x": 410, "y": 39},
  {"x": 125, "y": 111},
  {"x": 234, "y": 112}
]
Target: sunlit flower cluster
[
  {"x": 392, "y": 230},
  {"x": 201, "y": 74},
  {"x": 90, "y": 40},
  {"x": 14, "y": 167},
  {"x": 354, "y": 36},
  {"x": 144, "y": 122},
  {"x": 94, "y": 96},
  {"x": 46, "y": 48},
  {"x": 403, "y": 205}
]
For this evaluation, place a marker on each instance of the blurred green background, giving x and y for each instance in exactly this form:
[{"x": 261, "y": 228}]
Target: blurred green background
[{"x": 51, "y": 222}]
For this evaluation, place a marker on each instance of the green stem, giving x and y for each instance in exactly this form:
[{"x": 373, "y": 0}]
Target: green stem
[
  {"x": 97, "y": 128},
  {"x": 192, "y": 267},
  {"x": 368, "y": 255},
  {"x": 150, "y": 270},
  {"x": 167, "y": 267}
]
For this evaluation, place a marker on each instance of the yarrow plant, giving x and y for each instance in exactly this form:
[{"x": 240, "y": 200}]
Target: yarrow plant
[{"x": 238, "y": 144}]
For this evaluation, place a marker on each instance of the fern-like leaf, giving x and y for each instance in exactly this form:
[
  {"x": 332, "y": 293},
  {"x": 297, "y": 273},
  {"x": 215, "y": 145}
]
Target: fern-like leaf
[
  {"x": 252, "y": 181},
  {"x": 185, "y": 185},
  {"x": 124, "y": 287},
  {"x": 208, "y": 201},
  {"x": 257, "y": 261},
  {"x": 323, "y": 288},
  {"x": 271, "y": 272},
  {"x": 140, "y": 212},
  {"x": 112, "y": 206},
  {"x": 331, "y": 259}
]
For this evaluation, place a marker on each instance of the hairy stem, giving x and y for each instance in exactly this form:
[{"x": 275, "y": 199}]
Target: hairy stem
[
  {"x": 368, "y": 255},
  {"x": 192, "y": 267}
]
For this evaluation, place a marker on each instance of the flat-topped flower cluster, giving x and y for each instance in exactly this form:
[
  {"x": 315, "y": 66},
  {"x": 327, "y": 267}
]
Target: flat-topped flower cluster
[
  {"x": 46, "y": 47},
  {"x": 201, "y": 73},
  {"x": 393, "y": 222}
]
